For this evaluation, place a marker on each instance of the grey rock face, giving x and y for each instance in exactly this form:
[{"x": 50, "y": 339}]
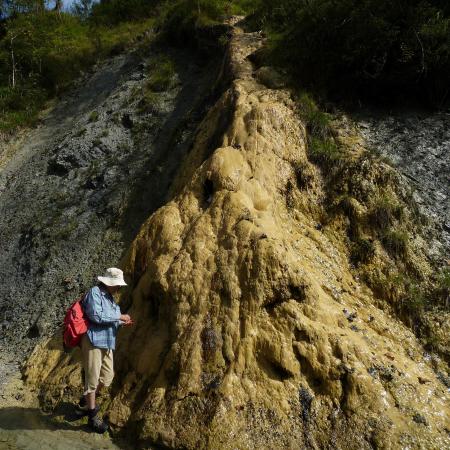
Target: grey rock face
[
  {"x": 418, "y": 145},
  {"x": 76, "y": 190}
]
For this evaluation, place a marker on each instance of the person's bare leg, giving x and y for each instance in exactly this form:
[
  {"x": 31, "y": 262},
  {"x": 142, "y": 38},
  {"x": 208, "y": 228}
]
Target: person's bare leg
[{"x": 90, "y": 400}]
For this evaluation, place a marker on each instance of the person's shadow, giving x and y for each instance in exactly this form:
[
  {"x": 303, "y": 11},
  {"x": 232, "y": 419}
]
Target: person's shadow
[{"x": 14, "y": 418}]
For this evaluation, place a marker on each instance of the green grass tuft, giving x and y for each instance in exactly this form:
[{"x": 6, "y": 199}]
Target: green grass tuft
[
  {"x": 385, "y": 212},
  {"x": 162, "y": 75},
  {"x": 396, "y": 243}
]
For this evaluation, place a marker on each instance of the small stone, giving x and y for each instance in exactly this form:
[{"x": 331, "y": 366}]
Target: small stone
[
  {"x": 423, "y": 380},
  {"x": 418, "y": 418}
]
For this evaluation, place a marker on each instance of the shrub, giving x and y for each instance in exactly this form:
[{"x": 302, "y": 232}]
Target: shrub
[
  {"x": 441, "y": 293},
  {"x": 396, "y": 243},
  {"x": 385, "y": 211},
  {"x": 182, "y": 18},
  {"x": 362, "y": 251},
  {"x": 93, "y": 117},
  {"x": 325, "y": 152},
  {"x": 162, "y": 75},
  {"x": 114, "y": 12},
  {"x": 414, "y": 303},
  {"x": 50, "y": 50},
  {"x": 374, "y": 49},
  {"x": 317, "y": 122},
  {"x": 20, "y": 106}
]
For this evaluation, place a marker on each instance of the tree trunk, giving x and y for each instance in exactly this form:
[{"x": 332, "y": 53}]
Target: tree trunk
[
  {"x": 58, "y": 5},
  {"x": 13, "y": 63}
]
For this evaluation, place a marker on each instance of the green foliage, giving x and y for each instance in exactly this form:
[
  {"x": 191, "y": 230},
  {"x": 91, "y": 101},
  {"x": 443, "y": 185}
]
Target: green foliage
[
  {"x": 441, "y": 292},
  {"x": 113, "y": 12},
  {"x": 93, "y": 117},
  {"x": 182, "y": 18},
  {"x": 112, "y": 40},
  {"x": 317, "y": 122},
  {"x": 42, "y": 52},
  {"x": 396, "y": 243},
  {"x": 20, "y": 105},
  {"x": 51, "y": 48},
  {"x": 363, "y": 48},
  {"x": 385, "y": 211},
  {"x": 326, "y": 153},
  {"x": 162, "y": 75},
  {"x": 414, "y": 302},
  {"x": 322, "y": 147},
  {"x": 362, "y": 251}
]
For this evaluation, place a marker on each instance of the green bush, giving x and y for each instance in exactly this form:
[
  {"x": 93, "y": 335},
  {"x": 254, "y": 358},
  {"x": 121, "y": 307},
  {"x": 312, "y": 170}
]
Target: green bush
[
  {"x": 326, "y": 153},
  {"x": 362, "y": 251},
  {"x": 93, "y": 117},
  {"x": 162, "y": 74},
  {"x": 182, "y": 18},
  {"x": 317, "y": 122},
  {"x": 113, "y": 12},
  {"x": 376, "y": 49},
  {"x": 385, "y": 211},
  {"x": 50, "y": 50},
  {"x": 396, "y": 243},
  {"x": 441, "y": 293},
  {"x": 20, "y": 106}
]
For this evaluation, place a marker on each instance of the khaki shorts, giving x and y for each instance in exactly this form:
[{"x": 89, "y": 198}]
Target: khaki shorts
[{"x": 97, "y": 364}]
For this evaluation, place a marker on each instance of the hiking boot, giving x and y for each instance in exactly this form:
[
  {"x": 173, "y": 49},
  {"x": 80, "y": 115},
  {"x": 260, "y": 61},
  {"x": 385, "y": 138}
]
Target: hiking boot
[
  {"x": 98, "y": 425},
  {"x": 82, "y": 411}
]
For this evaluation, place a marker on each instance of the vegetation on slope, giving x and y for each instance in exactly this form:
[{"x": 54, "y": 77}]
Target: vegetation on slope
[
  {"x": 380, "y": 223},
  {"x": 346, "y": 49},
  {"x": 363, "y": 49},
  {"x": 42, "y": 51}
]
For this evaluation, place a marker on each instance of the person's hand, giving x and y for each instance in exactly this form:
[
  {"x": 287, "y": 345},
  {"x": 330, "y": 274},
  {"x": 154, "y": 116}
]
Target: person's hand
[{"x": 126, "y": 319}]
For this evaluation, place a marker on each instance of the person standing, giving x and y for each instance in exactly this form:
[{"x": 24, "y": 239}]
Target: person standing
[{"x": 99, "y": 343}]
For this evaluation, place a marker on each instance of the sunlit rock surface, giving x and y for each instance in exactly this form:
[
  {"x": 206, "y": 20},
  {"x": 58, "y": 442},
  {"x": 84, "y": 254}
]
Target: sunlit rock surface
[{"x": 251, "y": 330}]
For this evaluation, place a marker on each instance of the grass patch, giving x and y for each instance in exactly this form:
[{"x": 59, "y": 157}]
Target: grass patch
[
  {"x": 362, "y": 251},
  {"x": 317, "y": 122},
  {"x": 148, "y": 102},
  {"x": 93, "y": 116},
  {"x": 441, "y": 293},
  {"x": 162, "y": 75},
  {"x": 51, "y": 50},
  {"x": 396, "y": 243},
  {"x": 20, "y": 106},
  {"x": 326, "y": 152},
  {"x": 385, "y": 212}
]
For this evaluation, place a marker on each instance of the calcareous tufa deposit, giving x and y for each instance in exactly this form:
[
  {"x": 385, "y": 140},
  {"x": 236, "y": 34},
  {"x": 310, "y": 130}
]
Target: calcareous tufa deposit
[{"x": 250, "y": 329}]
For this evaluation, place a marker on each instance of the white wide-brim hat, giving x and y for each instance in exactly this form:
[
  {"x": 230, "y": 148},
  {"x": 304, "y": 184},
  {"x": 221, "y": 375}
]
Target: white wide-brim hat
[{"x": 113, "y": 277}]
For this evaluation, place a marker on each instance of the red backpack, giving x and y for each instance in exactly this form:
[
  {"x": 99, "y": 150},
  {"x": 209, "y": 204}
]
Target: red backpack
[{"x": 75, "y": 324}]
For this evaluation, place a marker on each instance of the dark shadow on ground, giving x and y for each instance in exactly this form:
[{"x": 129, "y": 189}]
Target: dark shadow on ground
[{"x": 15, "y": 418}]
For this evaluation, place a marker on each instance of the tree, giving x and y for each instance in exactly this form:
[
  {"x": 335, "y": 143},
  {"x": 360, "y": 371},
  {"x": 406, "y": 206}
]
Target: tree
[
  {"x": 10, "y": 8},
  {"x": 82, "y": 8},
  {"x": 58, "y": 5}
]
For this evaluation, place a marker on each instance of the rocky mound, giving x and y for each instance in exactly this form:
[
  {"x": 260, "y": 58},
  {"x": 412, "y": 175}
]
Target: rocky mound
[{"x": 251, "y": 329}]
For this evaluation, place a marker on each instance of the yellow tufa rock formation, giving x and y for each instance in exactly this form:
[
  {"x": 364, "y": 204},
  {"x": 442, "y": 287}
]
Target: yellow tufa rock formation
[{"x": 251, "y": 331}]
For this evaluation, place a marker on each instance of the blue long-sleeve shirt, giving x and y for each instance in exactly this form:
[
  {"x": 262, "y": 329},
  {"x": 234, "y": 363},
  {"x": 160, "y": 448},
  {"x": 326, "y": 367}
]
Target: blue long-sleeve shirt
[{"x": 104, "y": 317}]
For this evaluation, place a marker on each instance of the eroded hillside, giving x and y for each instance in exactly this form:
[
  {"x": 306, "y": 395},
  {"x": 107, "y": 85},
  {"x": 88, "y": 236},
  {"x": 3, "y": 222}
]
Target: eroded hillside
[
  {"x": 75, "y": 190},
  {"x": 252, "y": 329}
]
